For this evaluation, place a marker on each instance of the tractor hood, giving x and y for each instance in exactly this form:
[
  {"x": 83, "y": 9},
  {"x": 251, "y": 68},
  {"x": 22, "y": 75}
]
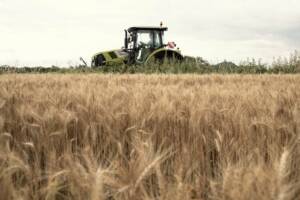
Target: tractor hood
[{"x": 113, "y": 57}]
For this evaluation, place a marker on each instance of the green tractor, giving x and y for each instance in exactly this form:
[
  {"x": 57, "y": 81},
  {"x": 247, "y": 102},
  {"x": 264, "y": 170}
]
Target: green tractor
[{"x": 142, "y": 45}]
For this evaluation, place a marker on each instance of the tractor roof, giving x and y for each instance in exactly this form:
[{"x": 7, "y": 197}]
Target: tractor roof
[{"x": 147, "y": 28}]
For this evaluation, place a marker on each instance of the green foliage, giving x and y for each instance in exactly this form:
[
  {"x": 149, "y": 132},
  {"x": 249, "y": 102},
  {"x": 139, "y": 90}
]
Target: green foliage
[
  {"x": 189, "y": 65},
  {"x": 284, "y": 65}
]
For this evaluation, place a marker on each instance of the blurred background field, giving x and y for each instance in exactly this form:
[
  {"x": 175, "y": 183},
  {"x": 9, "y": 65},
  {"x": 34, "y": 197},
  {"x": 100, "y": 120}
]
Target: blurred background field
[{"x": 196, "y": 65}]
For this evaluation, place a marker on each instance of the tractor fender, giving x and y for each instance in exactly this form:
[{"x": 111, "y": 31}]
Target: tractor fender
[{"x": 160, "y": 54}]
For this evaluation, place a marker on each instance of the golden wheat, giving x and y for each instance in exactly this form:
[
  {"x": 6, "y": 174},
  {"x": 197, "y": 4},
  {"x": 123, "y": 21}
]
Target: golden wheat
[{"x": 139, "y": 137}]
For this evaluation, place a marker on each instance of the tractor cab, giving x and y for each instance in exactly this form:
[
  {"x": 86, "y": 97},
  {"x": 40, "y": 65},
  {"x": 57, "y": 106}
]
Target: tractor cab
[
  {"x": 142, "y": 45},
  {"x": 140, "y": 42}
]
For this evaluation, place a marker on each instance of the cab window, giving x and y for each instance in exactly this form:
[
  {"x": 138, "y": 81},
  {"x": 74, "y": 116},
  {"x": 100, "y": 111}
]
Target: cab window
[{"x": 157, "y": 39}]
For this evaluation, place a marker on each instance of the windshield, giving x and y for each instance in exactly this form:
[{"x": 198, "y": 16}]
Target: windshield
[
  {"x": 148, "y": 39},
  {"x": 144, "y": 38}
]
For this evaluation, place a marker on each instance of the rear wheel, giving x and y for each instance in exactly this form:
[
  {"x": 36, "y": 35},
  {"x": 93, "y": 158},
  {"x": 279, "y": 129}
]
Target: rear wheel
[{"x": 166, "y": 57}]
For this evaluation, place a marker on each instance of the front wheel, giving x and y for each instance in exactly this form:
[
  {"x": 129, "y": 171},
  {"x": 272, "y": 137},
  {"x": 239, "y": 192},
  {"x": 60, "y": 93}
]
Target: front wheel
[{"x": 98, "y": 61}]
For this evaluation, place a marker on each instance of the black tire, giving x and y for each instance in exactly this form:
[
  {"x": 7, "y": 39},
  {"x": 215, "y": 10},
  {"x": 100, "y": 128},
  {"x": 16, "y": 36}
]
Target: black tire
[{"x": 168, "y": 57}]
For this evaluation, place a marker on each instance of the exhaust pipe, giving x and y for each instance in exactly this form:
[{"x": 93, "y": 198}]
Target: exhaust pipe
[{"x": 126, "y": 39}]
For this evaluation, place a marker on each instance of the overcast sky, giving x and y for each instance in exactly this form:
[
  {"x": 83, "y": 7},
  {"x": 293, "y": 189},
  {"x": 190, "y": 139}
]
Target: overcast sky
[{"x": 58, "y": 32}]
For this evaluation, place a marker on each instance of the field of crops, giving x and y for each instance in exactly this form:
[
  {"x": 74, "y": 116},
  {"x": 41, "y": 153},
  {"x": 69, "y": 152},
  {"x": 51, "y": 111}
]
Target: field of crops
[{"x": 150, "y": 137}]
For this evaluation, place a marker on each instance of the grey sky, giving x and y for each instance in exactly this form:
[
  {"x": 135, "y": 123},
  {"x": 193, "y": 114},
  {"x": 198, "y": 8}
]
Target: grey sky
[{"x": 58, "y": 32}]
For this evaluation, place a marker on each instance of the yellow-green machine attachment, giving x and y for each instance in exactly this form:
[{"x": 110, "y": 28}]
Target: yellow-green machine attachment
[{"x": 141, "y": 46}]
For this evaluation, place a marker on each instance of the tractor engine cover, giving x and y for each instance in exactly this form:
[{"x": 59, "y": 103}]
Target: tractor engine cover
[{"x": 114, "y": 57}]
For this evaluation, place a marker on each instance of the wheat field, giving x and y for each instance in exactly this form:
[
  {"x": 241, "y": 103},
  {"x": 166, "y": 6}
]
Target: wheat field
[{"x": 150, "y": 137}]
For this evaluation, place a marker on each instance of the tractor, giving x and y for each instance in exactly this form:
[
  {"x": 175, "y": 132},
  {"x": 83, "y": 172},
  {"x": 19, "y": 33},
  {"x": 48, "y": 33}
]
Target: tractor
[{"x": 142, "y": 45}]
